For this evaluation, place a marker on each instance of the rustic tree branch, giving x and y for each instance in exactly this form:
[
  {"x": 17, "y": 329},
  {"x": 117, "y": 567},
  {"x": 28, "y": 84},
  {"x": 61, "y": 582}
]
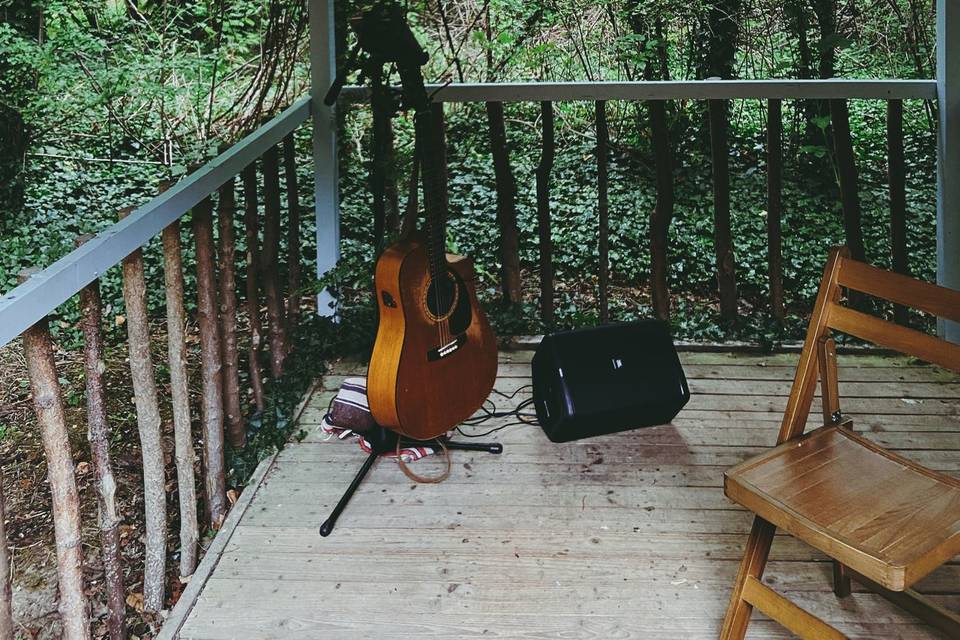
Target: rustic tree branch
[
  {"x": 848, "y": 176},
  {"x": 211, "y": 366},
  {"x": 603, "y": 207},
  {"x": 723, "y": 243},
  {"x": 270, "y": 260},
  {"x": 775, "y": 206},
  {"x": 6, "y": 591},
  {"x": 506, "y": 205},
  {"x": 180, "y": 397},
  {"x": 897, "y": 175},
  {"x": 662, "y": 214},
  {"x": 251, "y": 226},
  {"x": 543, "y": 214},
  {"x": 148, "y": 423},
  {"x": 293, "y": 234},
  {"x": 98, "y": 433},
  {"x": 230, "y": 357},
  {"x": 48, "y": 406}
]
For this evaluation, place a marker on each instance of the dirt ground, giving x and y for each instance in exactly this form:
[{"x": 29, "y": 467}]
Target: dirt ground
[{"x": 28, "y": 507}]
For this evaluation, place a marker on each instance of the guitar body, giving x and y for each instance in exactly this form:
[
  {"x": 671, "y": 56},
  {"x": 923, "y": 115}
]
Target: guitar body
[{"x": 430, "y": 369}]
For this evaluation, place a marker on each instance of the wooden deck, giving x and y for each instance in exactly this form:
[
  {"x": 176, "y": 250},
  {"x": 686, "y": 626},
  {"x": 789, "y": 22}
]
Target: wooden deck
[{"x": 624, "y": 536}]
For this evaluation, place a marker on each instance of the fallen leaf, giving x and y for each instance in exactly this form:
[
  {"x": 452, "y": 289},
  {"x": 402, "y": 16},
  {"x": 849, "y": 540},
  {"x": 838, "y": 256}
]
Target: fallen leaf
[
  {"x": 135, "y": 601},
  {"x": 232, "y": 496},
  {"x": 119, "y": 320},
  {"x": 83, "y": 468}
]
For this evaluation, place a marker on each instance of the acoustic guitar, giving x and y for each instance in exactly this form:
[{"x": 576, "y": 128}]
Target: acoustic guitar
[{"x": 434, "y": 361}]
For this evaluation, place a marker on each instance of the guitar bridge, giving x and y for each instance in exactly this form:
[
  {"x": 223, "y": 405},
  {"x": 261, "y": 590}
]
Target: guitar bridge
[{"x": 443, "y": 351}]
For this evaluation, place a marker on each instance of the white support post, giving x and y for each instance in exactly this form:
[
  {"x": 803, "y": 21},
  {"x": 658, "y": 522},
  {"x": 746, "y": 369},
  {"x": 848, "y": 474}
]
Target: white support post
[
  {"x": 948, "y": 154},
  {"x": 322, "y": 73}
]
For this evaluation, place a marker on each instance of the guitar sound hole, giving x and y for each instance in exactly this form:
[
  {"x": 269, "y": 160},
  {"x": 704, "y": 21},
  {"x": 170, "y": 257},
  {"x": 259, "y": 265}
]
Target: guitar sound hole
[{"x": 443, "y": 298}]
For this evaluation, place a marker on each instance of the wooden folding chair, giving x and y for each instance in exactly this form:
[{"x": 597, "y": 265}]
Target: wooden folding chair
[{"x": 886, "y": 521}]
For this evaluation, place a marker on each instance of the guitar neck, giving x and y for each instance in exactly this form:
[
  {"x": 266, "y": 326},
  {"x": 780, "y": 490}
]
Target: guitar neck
[
  {"x": 429, "y": 129},
  {"x": 428, "y": 122}
]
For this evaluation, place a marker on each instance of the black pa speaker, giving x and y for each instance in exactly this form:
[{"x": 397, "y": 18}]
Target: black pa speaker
[{"x": 600, "y": 380}]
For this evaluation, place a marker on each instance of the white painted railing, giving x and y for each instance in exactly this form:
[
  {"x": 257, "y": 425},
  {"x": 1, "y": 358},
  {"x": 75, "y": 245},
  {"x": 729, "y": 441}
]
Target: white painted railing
[
  {"x": 22, "y": 307},
  {"x": 672, "y": 90}
]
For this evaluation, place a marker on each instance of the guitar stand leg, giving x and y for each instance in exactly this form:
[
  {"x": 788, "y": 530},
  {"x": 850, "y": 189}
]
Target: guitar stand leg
[
  {"x": 327, "y": 527},
  {"x": 489, "y": 447}
]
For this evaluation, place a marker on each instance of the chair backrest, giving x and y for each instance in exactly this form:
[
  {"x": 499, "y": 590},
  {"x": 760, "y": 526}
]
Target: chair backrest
[{"x": 829, "y": 313}]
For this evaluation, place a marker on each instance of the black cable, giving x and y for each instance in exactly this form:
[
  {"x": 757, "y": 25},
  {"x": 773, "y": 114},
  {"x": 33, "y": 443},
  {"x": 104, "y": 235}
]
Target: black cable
[
  {"x": 489, "y": 412},
  {"x": 522, "y": 418}
]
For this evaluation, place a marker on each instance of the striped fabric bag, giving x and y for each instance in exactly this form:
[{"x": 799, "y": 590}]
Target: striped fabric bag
[{"x": 349, "y": 416}]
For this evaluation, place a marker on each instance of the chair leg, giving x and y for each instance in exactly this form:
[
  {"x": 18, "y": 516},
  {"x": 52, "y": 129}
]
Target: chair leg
[
  {"x": 754, "y": 560},
  {"x": 841, "y": 580}
]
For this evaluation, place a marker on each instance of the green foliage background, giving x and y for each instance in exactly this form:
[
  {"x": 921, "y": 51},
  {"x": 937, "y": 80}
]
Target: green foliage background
[{"x": 119, "y": 96}]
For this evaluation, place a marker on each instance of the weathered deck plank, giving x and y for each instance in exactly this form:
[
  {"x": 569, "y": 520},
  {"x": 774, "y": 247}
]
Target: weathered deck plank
[{"x": 624, "y": 536}]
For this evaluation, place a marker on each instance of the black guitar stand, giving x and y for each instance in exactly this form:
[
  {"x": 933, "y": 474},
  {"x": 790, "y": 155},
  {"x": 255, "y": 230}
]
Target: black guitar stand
[{"x": 382, "y": 441}]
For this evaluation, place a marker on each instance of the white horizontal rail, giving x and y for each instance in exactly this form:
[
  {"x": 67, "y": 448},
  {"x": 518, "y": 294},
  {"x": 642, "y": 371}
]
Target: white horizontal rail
[
  {"x": 672, "y": 90},
  {"x": 22, "y": 307}
]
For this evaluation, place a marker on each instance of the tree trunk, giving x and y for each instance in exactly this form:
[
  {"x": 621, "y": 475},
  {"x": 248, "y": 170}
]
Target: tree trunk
[
  {"x": 211, "y": 374},
  {"x": 13, "y": 140},
  {"x": 723, "y": 243},
  {"x": 98, "y": 433},
  {"x": 180, "y": 397},
  {"x": 721, "y": 36},
  {"x": 148, "y": 423},
  {"x": 506, "y": 205},
  {"x": 849, "y": 180},
  {"x": 293, "y": 236},
  {"x": 48, "y": 405},
  {"x": 603, "y": 208},
  {"x": 826, "y": 12},
  {"x": 543, "y": 214},
  {"x": 230, "y": 356},
  {"x": 25, "y": 18},
  {"x": 774, "y": 206},
  {"x": 796, "y": 12},
  {"x": 6, "y": 591},
  {"x": 662, "y": 214},
  {"x": 270, "y": 259},
  {"x": 252, "y": 228},
  {"x": 897, "y": 176}
]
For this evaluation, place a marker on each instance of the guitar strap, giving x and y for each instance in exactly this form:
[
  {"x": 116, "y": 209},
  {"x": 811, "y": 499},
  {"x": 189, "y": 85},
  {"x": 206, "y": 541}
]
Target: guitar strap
[{"x": 426, "y": 479}]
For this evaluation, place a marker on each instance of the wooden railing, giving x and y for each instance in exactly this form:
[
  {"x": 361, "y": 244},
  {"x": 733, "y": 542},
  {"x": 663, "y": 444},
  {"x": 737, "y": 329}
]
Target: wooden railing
[
  {"x": 23, "y": 311},
  {"x": 715, "y": 93}
]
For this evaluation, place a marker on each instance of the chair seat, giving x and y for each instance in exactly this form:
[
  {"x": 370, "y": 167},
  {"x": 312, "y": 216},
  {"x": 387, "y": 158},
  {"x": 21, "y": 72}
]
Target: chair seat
[{"x": 882, "y": 515}]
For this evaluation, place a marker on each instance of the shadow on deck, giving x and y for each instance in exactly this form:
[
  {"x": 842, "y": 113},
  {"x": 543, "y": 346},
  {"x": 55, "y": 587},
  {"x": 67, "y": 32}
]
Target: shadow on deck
[{"x": 623, "y": 536}]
